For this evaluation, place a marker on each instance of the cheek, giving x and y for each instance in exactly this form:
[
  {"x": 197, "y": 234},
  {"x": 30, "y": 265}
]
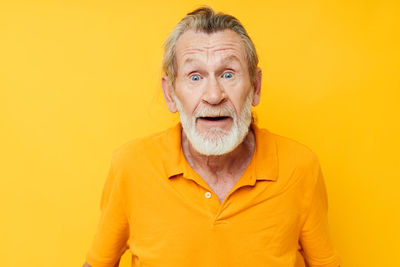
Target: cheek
[
  {"x": 238, "y": 100},
  {"x": 188, "y": 100}
]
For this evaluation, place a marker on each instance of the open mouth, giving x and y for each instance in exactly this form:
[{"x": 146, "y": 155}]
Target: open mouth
[{"x": 217, "y": 118}]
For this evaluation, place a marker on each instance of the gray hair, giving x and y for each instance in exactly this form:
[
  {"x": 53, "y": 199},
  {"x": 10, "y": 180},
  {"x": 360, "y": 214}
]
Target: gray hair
[{"x": 205, "y": 20}]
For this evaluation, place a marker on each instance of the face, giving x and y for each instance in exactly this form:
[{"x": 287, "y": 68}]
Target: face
[{"x": 213, "y": 90}]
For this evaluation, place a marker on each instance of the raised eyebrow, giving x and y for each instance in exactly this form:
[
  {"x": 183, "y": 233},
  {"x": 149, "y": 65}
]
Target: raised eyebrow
[
  {"x": 230, "y": 59},
  {"x": 227, "y": 60},
  {"x": 189, "y": 60}
]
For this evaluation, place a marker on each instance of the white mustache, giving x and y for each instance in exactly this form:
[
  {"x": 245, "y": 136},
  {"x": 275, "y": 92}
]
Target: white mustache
[{"x": 209, "y": 111}]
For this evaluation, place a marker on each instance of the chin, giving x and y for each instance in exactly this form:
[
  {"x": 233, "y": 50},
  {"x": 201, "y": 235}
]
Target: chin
[{"x": 216, "y": 141}]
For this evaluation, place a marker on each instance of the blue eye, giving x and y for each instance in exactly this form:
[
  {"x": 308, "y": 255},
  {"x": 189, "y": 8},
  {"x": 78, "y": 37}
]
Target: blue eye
[
  {"x": 228, "y": 75},
  {"x": 195, "y": 77}
]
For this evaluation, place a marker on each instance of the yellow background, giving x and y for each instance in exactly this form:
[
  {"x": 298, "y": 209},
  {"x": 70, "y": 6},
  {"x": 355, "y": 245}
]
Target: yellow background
[{"x": 80, "y": 78}]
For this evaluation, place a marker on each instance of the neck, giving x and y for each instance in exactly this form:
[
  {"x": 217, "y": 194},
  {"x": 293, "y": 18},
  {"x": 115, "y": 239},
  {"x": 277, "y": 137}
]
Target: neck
[{"x": 229, "y": 162}]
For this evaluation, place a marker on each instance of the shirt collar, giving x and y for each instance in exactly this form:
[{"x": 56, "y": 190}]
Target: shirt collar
[
  {"x": 263, "y": 166},
  {"x": 172, "y": 153},
  {"x": 265, "y": 156}
]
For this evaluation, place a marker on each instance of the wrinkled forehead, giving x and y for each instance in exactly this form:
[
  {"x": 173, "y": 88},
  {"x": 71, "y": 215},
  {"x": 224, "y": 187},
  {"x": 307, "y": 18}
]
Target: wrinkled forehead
[{"x": 224, "y": 46}]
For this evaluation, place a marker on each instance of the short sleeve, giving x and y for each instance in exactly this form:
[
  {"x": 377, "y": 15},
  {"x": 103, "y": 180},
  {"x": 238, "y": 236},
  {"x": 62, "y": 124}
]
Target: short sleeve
[
  {"x": 314, "y": 238},
  {"x": 112, "y": 234}
]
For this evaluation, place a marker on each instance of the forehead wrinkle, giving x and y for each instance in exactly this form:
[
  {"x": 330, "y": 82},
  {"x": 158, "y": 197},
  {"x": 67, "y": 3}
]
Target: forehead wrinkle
[
  {"x": 230, "y": 57},
  {"x": 193, "y": 41},
  {"x": 212, "y": 48}
]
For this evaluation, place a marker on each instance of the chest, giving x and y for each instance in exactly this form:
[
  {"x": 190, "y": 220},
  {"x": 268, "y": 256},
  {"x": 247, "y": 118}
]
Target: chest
[
  {"x": 221, "y": 183},
  {"x": 175, "y": 223},
  {"x": 221, "y": 187}
]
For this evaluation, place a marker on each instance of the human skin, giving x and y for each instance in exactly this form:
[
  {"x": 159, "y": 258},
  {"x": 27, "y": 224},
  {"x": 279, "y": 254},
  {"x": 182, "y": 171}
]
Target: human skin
[
  {"x": 211, "y": 57},
  {"x": 219, "y": 60},
  {"x": 212, "y": 70}
]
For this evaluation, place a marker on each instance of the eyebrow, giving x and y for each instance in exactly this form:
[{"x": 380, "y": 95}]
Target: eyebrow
[
  {"x": 231, "y": 58},
  {"x": 227, "y": 59},
  {"x": 188, "y": 60}
]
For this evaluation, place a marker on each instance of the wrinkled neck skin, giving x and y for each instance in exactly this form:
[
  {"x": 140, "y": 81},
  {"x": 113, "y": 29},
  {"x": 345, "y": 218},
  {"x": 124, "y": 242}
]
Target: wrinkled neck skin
[{"x": 226, "y": 165}]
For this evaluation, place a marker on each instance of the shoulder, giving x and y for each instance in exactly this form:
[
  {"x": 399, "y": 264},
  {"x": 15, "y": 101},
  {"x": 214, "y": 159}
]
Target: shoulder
[
  {"x": 294, "y": 158},
  {"x": 283, "y": 146},
  {"x": 139, "y": 150},
  {"x": 294, "y": 150}
]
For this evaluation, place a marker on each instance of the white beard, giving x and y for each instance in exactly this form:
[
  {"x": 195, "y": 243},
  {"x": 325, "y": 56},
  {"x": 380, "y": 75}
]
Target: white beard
[{"x": 216, "y": 141}]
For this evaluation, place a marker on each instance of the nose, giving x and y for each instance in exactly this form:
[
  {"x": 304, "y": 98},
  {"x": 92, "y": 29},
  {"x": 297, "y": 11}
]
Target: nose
[{"x": 214, "y": 93}]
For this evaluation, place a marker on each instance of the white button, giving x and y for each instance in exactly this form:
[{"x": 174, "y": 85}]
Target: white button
[{"x": 208, "y": 195}]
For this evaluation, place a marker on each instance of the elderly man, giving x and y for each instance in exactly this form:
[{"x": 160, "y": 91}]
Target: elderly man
[{"x": 215, "y": 190}]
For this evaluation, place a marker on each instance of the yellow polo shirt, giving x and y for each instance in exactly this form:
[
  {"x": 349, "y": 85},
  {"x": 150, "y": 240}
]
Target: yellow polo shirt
[{"x": 158, "y": 207}]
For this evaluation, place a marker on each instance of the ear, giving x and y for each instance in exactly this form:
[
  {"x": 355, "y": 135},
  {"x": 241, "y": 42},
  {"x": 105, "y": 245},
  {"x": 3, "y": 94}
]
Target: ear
[
  {"x": 257, "y": 87},
  {"x": 166, "y": 87}
]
